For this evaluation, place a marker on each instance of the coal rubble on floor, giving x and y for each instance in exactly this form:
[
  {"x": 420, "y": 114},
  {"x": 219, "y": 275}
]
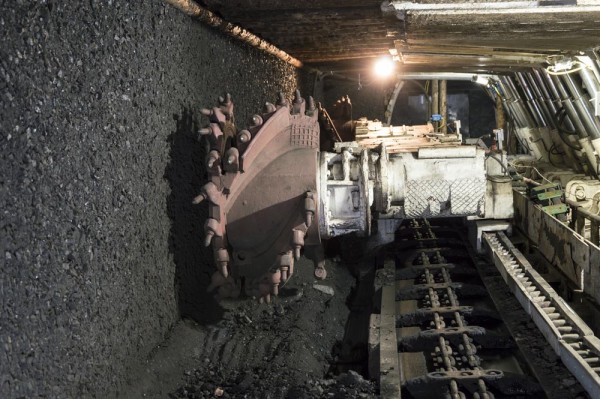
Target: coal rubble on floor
[
  {"x": 298, "y": 346},
  {"x": 266, "y": 383}
]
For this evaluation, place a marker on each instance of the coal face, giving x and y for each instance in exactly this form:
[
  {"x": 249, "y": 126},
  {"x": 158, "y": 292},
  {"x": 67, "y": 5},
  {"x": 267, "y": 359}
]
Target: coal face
[{"x": 100, "y": 247}]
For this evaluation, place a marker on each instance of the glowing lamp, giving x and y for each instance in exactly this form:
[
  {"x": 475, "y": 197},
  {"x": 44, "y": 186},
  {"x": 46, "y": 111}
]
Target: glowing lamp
[{"x": 384, "y": 67}]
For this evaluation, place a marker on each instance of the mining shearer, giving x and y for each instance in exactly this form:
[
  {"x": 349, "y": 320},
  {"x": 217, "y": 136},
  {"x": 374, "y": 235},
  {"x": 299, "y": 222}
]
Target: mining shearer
[{"x": 298, "y": 175}]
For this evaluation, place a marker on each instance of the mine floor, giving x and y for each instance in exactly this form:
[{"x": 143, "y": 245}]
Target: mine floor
[{"x": 298, "y": 346}]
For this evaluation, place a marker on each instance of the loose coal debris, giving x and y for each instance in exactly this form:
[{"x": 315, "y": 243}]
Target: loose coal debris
[
  {"x": 302, "y": 344},
  {"x": 271, "y": 384}
]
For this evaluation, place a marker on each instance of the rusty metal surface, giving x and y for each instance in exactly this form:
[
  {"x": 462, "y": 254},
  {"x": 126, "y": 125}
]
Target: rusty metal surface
[
  {"x": 576, "y": 257},
  {"x": 261, "y": 205}
]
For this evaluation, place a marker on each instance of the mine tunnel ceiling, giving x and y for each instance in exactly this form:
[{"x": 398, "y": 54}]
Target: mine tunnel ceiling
[{"x": 485, "y": 36}]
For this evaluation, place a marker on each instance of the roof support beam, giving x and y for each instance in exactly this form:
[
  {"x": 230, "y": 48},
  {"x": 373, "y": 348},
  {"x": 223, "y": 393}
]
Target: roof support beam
[{"x": 489, "y": 8}]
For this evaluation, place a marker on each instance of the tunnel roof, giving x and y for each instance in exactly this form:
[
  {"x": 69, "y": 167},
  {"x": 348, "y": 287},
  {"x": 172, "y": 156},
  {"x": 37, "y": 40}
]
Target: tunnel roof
[{"x": 484, "y": 36}]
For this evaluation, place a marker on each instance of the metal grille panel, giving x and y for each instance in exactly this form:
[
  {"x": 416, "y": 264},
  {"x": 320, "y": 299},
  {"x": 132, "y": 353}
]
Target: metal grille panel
[
  {"x": 420, "y": 192},
  {"x": 467, "y": 196}
]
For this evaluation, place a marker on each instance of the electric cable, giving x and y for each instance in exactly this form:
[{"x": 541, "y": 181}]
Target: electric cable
[{"x": 551, "y": 70}]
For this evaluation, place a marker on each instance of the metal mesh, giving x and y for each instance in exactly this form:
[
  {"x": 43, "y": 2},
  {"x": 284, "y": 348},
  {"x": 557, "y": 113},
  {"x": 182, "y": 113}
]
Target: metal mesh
[
  {"x": 419, "y": 192},
  {"x": 465, "y": 196}
]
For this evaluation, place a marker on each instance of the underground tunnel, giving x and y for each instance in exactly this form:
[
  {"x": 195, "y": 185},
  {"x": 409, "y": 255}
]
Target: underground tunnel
[{"x": 317, "y": 199}]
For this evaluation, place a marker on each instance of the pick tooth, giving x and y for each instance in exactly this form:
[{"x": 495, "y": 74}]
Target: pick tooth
[
  {"x": 208, "y": 238},
  {"x": 281, "y": 101},
  {"x": 311, "y": 104},
  {"x": 269, "y": 108},
  {"x": 297, "y": 97},
  {"x": 204, "y": 131},
  {"x": 244, "y": 136},
  {"x": 198, "y": 199},
  {"x": 213, "y": 157},
  {"x": 256, "y": 120}
]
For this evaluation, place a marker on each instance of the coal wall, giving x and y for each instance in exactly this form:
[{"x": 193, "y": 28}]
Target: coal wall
[{"x": 99, "y": 243}]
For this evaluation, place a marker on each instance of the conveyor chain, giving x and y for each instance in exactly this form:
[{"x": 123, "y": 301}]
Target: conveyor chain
[{"x": 438, "y": 344}]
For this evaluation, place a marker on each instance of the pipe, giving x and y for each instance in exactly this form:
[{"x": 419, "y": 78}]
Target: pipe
[
  {"x": 551, "y": 97},
  {"x": 580, "y": 209},
  {"x": 441, "y": 76},
  {"x": 495, "y": 158},
  {"x": 533, "y": 106},
  {"x": 509, "y": 103},
  {"x": 589, "y": 79},
  {"x": 192, "y": 9},
  {"x": 514, "y": 102},
  {"x": 581, "y": 102},
  {"x": 519, "y": 104},
  {"x": 540, "y": 100},
  {"x": 491, "y": 9},
  {"x": 585, "y": 111},
  {"x": 513, "y": 115},
  {"x": 584, "y": 139},
  {"x": 548, "y": 113},
  {"x": 502, "y": 94},
  {"x": 549, "y": 101},
  {"x": 551, "y": 87},
  {"x": 555, "y": 84}
]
